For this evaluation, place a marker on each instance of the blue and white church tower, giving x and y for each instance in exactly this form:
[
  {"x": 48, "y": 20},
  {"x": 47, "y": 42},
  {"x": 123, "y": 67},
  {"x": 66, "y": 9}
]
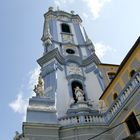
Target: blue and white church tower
[
  {"x": 70, "y": 82},
  {"x": 68, "y": 68}
]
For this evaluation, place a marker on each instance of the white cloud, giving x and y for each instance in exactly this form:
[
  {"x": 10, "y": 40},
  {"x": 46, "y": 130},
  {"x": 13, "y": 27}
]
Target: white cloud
[
  {"x": 92, "y": 7},
  {"x": 62, "y": 3},
  {"x": 33, "y": 77},
  {"x": 85, "y": 15},
  {"x": 95, "y": 6},
  {"x": 20, "y": 103},
  {"x": 101, "y": 49}
]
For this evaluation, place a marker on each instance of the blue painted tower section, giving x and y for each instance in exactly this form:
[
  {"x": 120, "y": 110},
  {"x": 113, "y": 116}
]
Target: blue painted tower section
[
  {"x": 78, "y": 33},
  {"x": 68, "y": 62}
]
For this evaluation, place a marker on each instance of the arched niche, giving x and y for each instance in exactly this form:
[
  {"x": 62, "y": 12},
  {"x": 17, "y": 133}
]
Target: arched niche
[{"x": 75, "y": 84}]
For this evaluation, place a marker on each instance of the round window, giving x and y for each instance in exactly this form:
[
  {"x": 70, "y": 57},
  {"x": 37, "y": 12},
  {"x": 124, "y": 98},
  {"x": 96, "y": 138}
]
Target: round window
[{"x": 70, "y": 51}]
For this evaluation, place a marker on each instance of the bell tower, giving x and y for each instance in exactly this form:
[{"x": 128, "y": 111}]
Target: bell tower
[
  {"x": 69, "y": 74},
  {"x": 68, "y": 61}
]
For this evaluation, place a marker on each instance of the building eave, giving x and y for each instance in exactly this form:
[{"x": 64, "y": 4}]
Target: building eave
[
  {"x": 63, "y": 13},
  {"x": 106, "y": 64}
]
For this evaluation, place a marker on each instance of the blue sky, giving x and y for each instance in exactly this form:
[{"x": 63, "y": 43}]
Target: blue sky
[{"x": 112, "y": 25}]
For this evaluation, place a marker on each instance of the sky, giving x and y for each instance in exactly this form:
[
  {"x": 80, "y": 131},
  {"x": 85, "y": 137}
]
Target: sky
[{"x": 112, "y": 25}]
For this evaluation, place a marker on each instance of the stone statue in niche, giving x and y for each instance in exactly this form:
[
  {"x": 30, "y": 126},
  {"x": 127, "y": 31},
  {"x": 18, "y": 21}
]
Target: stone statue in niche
[
  {"x": 39, "y": 88},
  {"x": 79, "y": 94}
]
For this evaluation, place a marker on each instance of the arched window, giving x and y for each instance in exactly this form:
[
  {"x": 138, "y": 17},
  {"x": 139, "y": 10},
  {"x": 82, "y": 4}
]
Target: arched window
[
  {"x": 75, "y": 84},
  {"x": 132, "y": 72},
  {"x": 65, "y": 28},
  {"x": 111, "y": 75},
  {"x": 115, "y": 95}
]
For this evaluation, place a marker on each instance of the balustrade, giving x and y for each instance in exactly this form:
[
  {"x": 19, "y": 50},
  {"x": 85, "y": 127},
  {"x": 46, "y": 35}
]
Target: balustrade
[{"x": 111, "y": 112}]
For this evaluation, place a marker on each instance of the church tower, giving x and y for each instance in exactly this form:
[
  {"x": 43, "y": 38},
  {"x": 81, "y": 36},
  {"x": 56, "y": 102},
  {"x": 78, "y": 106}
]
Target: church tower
[
  {"x": 72, "y": 80},
  {"x": 68, "y": 61},
  {"x": 69, "y": 71}
]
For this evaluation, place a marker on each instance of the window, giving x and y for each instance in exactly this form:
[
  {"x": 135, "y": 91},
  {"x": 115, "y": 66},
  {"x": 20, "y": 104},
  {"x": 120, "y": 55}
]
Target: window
[
  {"x": 65, "y": 28},
  {"x": 132, "y": 124},
  {"x": 132, "y": 73},
  {"x": 111, "y": 75},
  {"x": 115, "y": 95},
  {"x": 70, "y": 51}
]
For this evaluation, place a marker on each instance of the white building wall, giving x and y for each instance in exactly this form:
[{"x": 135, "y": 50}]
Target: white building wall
[
  {"x": 84, "y": 53},
  {"x": 93, "y": 87},
  {"x": 74, "y": 34},
  {"x": 62, "y": 94}
]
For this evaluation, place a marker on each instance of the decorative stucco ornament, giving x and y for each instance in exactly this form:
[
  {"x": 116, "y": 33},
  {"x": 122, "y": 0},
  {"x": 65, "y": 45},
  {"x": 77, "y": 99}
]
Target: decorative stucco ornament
[
  {"x": 101, "y": 106},
  {"x": 67, "y": 38},
  {"x": 48, "y": 37}
]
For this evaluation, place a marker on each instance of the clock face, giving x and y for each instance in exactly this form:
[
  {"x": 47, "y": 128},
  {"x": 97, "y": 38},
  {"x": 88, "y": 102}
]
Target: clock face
[{"x": 73, "y": 69}]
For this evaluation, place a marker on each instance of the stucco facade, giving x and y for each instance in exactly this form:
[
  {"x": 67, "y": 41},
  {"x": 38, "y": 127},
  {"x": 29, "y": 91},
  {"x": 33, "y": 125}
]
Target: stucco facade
[{"x": 77, "y": 96}]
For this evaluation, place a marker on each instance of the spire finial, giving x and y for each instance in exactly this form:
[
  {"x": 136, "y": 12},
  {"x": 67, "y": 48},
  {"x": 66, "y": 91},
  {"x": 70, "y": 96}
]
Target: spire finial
[
  {"x": 72, "y": 12},
  {"x": 50, "y": 8}
]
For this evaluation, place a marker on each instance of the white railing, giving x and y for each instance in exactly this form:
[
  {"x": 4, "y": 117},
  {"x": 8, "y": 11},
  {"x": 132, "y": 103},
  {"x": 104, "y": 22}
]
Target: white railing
[
  {"x": 105, "y": 118},
  {"x": 123, "y": 97},
  {"x": 82, "y": 119}
]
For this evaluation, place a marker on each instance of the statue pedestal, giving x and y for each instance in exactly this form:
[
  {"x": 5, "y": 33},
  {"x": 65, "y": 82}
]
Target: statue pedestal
[
  {"x": 41, "y": 110},
  {"x": 81, "y": 107}
]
